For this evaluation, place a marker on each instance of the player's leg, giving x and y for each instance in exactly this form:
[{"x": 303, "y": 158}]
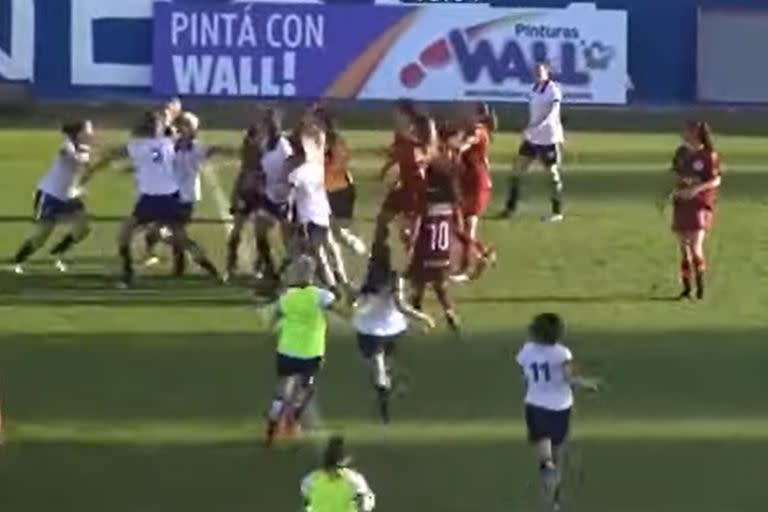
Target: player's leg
[
  {"x": 181, "y": 243},
  {"x": 441, "y": 291},
  {"x": 317, "y": 239},
  {"x": 539, "y": 423},
  {"x": 124, "y": 236},
  {"x": 265, "y": 265},
  {"x": 284, "y": 389},
  {"x": 686, "y": 264},
  {"x": 40, "y": 233},
  {"x": 152, "y": 237},
  {"x": 233, "y": 242},
  {"x": 374, "y": 351},
  {"x": 305, "y": 390},
  {"x": 698, "y": 260},
  {"x": 418, "y": 287},
  {"x": 80, "y": 229},
  {"x": 525, "y": 157},
  {"x": 551, "y": 160},
  {"x": 343, "y": 208},
  {"x": 332, "y": 250}
]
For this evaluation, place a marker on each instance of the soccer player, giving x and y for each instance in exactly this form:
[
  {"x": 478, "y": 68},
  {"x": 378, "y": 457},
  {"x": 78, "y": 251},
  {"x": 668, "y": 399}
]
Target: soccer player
[
  {"x": 697, "y": 173},
  {"x": 299, "y": 319},
  {"x": 475, "y": 178},
  {"x": 335, "y": 487},
  {"x": 247, "y": 193},
  {"x": 152, "y": 155},
  {"x": 542, "y": 139},
  {"x": 406, "y": 195},
  {"x": 381, "y": 319},
  {"x": 58, "y": 197},
  {"x": 548, "y": 370},
  {"x": 433, "y": 234}
]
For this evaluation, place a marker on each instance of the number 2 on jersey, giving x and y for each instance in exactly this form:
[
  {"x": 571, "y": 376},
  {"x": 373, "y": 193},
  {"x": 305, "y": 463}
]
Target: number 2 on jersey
[
  {"x": 440, "y": 236},
  {"x": 540, "y": 371}
]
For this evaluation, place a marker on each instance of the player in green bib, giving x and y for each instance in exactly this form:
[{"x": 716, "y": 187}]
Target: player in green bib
[
  {"x": 298, "y": 317},
  {"x": 335, "y": 487}
]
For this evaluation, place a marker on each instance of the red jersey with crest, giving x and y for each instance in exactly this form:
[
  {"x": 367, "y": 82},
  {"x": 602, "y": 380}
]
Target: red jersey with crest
[
  {"x": 403, "y": 151},
  {"x": 434, "y": 239},
  {"x": 693, "y": 167},
  {"x": 476, "y": 175}
]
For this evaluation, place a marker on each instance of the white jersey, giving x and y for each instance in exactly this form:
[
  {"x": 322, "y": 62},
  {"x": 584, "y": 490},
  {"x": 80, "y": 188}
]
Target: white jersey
[
  {"x": 546, "y": 381},
  {"x": 377, "y": 314},
  {"x": 542, "y": 98},
  {"x": 59, "y": 181},
  {"x": 189, "y": 159},
  {"x": 365, "y": 497},
  {"x": 310, "y": 197},
  {"x": 273, "y": 163},
  {"x": 153, "y": 165}
]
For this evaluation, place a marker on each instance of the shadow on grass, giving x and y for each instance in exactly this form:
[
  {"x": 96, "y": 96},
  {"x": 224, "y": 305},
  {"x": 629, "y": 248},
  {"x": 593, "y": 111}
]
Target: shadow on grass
[{"x": 568, "y": 299}]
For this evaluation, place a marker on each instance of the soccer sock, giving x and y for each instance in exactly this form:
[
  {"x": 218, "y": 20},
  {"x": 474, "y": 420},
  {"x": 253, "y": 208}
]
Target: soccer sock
[
  {"x": 64, "y": 245},
  {"x": 25, "y": 251},
  {"x": 264, "y": 254},
  {"x": 557, "y": 193},
  {"x": 685, "y": 275},
  {"x": 700, "y": 266},
  {"x": 352, "y": 241},
  {"x": 380, "y": 374},
  {"x": 276, "y": 409},
  {"x": 232, "y": 246},
  {"x": 513, "y": 195},
  {"x": 125, "y": 257},
  {"x": 151, "y": 238},
  {"x": 308, "y": 389},
  {"x": 549, "y": 478},
  {"x": 179, "y": 261}
]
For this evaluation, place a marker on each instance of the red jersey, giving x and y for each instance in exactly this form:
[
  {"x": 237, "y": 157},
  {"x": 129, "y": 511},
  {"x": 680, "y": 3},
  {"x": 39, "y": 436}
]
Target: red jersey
[
  {"x": 403, "y": 151},
  {"x": 477, "y": 174},
  {"x": 693, "y": 167},
  {"x": 435, "y": 235}
]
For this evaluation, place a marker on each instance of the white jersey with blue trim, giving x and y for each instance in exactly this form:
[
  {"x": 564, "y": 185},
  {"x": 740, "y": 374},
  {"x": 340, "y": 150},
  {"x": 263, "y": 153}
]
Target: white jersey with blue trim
[
  {"x": 153, "y": 165},
  {"x": 547, "y": 384},
  {"x": 190, "y": 156},
  {"x": 59, "y": 181},
  {"x": 273, "y": 163}
]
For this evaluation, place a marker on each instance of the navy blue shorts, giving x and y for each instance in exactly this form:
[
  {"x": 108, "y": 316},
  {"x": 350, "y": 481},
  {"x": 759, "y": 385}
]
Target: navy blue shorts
[
  {"x": 288, "y": 366},
  {"x": 277, "y": 210},
  {"x": 50, "y": 208},
  {"x": 185, "y": 212},
  {"x": 547, "y": 424},
  {"x": 164, "y": 209},
  {"x": 548, "y": 154},
  {"x": 371, "y": 345}
]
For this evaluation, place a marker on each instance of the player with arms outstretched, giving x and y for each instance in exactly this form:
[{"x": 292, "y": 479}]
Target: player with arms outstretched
[
  {"x": 548, "y": 369},
  {"x": 696, "y": 167}
]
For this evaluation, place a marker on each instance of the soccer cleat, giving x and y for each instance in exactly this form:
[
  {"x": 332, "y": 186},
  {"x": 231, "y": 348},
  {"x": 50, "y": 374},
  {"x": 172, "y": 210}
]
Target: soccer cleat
[
  {"x": 555, "y": 217},
  {"x": 459, "y": 278},
  {"x": 61, "y": 266},
  {"x": 17, "y": 269},
  {"x": 453, "y": 322},
  {"x": 151, "y": 261},
  {"x": 123, "y": 284}
]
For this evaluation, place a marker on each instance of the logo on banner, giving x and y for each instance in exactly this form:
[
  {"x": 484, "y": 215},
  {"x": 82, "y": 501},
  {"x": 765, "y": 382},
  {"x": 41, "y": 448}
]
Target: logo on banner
[
  {"x": 17, "y": 56},
  {"x": 476, "y": 54}
]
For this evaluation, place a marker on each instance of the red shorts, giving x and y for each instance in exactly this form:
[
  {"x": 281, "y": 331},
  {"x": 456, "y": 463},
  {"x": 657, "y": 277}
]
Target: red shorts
[
  {"x": 475, "y": 202},
  {"x": 403, "y": 200},
  {"x": 691, "y": 217}
]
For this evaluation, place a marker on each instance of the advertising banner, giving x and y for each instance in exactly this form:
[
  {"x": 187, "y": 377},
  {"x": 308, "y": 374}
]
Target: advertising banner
[{"x": 434, "y": 52}]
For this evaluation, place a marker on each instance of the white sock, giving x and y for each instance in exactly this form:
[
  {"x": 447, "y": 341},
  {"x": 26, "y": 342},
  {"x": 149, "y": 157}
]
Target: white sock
[
  {"x": 381, "y": 375},
  {"x": 276, "y": 409}
]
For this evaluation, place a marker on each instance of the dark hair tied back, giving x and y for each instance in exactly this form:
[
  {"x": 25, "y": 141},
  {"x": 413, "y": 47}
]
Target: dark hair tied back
[{"x": 73, "y": 128}]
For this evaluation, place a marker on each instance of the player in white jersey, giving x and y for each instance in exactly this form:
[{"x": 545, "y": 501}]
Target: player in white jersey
[
  {"x": 308, "y": 200},
  {"x": 548, "y": 369},
  {"x": 187, "y": 165},
  {"x": 152, "y": 155},
  {"x": 57, "y": 199},
  {"x": 542, "y": 140},
  {"x": 381, "y": 317}
]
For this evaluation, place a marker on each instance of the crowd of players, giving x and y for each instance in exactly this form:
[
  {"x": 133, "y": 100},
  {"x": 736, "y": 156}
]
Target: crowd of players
[{"x": 299, "y": 183}]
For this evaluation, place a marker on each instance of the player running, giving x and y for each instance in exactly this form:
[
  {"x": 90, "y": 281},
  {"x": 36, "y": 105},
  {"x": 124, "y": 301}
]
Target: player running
[
  {"x": 434, "y": 233},
  {"x": 542, "y": 139},
  {"x": 335, "y": 487},
  {"x": 548, "y": 369},
  {"x": 299, "y": 319},
  {"x": 153, "y": 155},
  {"x": 381, "y": 319},
  {"x": 697, "y": 173},
  {"x": 58, "y": 197}
]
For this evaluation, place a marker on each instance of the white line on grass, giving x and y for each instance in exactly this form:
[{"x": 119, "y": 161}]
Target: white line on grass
[{"x": 222, "y": 206}]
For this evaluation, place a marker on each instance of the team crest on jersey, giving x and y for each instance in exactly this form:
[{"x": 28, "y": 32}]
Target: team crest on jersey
[
  {"x": 157, "y": 155},
  {"x": 698, "y": 165}
]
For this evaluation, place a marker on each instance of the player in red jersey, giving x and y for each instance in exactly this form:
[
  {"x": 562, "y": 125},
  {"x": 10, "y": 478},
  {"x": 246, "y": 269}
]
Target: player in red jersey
[
  {"x": 475, "y": 178},
  {"x": 405, "y": 195},
  {"x": 434, "y": 233},
  {"x": 697, "y": 176}
]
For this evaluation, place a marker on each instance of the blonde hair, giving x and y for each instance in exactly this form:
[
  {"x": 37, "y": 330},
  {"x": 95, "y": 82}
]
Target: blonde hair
[{"x": 189, "y": 119}]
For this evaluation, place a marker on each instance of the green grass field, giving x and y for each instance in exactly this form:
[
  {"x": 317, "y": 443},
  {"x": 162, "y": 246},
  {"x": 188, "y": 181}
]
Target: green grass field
[{"x": 152, "y": 400}]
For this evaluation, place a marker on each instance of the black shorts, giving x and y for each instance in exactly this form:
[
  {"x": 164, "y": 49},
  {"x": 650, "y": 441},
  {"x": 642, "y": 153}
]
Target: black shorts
[
  {"x": 314, "y": 235},
  {"x": 547, "y": 424},
  {"x": 342, "y": 202},
  {"x": 185, "y": 212},
  {"x": 244, "y": 205},
  {"x": 288, "y": 366},
  {"x": 548, "y": 154},
  {"x": 279, "y": 211},
  {"x": 370, "y": 345}
]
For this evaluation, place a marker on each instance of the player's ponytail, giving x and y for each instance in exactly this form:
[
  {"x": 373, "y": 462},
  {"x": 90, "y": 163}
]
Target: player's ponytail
[
  {"x": 273, "y": 126},
  {"x": 705, "y": 136},
  {"x": 379, "y": 273},
  {"x": 148, "y": 124},
  {"x": 73, "y": 128},
  {"x": 486, "y": 115}
]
